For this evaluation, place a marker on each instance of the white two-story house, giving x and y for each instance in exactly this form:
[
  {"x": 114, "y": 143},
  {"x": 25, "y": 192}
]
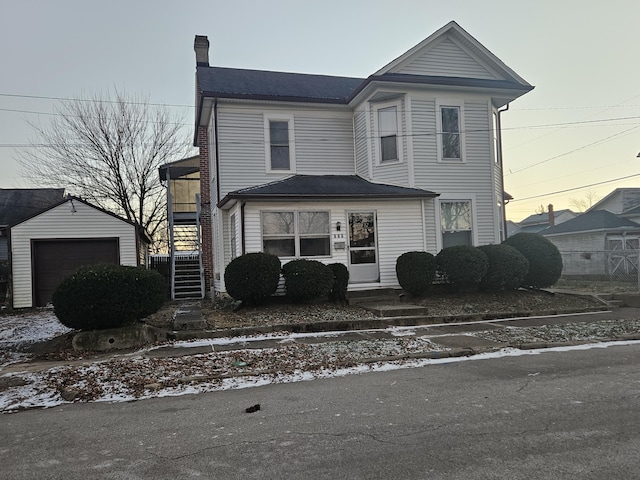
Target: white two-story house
[{"x": 353, "y": 170}]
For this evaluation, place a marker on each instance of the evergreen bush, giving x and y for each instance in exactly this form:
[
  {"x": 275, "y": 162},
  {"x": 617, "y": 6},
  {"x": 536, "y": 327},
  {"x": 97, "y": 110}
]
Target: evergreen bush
[
  {"x": 415, "y": 272},
  {"x": 253, "y": 277},
  {"x": 545, "y": 261},
  {"x": 338, "y": 291},
  {"x": 103, "y": 296},
  {"x": 507, "y": 268},
  {"x": 462, "y": 266},
  {"x": 307, "y": 279}
]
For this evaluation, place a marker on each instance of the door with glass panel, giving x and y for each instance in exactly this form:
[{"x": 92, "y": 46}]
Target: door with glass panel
[{"x": 363, "y": 252}]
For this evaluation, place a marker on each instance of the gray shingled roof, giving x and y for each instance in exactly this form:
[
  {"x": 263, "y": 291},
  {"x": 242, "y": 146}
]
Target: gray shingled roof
[
  {"x": 538, "y": 218},
  {"x": 17, "y": 204},
  {"x": 259, "y": 84},
  {"x": 305, "y": 187},
  {"x": 590, "y": 221},
  {"x": 222, "y": 82}
]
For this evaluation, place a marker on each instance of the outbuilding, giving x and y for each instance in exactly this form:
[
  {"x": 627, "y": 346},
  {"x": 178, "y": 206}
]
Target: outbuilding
[{"x": 53, "y": 243}]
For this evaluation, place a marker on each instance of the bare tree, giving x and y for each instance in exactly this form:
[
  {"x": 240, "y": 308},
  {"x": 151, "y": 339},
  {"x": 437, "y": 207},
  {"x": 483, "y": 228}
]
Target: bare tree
[
  {"x": 108, "y": 150},
  {"x": 586, "y": 202}
]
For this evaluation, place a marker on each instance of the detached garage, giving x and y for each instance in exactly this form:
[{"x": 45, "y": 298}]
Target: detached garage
[{"x": 54, "y": 243}]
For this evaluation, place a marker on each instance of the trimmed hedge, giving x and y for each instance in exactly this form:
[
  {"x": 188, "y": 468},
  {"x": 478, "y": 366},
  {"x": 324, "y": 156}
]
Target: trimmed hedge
[
  {"x": 415, "y": 272},
  {"x": 462, "y": 266},
  {"x": 307, "y": 279},
  {"x": 545, "y": 261},
  {"x": 252, "y": 277},
  {"x": 338, "y": 291},
  {"x": 507, "y": 268},
  {"x": 103, "y": 296}
]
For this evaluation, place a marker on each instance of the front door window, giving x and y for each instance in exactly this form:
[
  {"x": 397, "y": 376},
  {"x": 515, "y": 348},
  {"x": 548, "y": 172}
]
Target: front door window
[{"x": 363, "y": 255}]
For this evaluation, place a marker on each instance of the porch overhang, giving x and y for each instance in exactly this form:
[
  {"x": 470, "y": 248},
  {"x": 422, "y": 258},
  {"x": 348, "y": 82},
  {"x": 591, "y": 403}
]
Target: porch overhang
[{"x": 323, "y": 187}]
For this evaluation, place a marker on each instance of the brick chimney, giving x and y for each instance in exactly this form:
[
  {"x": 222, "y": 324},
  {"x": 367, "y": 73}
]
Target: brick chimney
[
  {"x": 552, "y": 217},
  {"x": 201, "y": 47}
]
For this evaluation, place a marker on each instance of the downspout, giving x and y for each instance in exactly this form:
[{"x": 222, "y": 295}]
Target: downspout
[
  {"x": 499, "y": 153},
  {"x": 242, "y": 243},
  {"x": 215, "y": 134}
]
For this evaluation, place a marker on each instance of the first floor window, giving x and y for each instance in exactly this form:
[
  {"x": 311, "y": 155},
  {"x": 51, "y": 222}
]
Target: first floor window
[
  {"x": 455, "y": 222},
  {"x": 296, "y": 233}
]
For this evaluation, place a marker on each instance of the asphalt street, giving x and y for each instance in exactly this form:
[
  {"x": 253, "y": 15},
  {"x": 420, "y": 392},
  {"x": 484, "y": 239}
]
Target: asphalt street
[{"x": 553, "y": 415}]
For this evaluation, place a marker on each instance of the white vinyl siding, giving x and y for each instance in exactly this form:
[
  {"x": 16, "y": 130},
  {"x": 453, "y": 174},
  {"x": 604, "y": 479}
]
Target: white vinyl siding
[
  {"x": 392, "y": 217},
  {"x": 446, "y": 59},
  {"x": 322, "y": 140},
  {"x": 477, "y": 176},
  {"x": 59, "y": 223},
  {"x": 361, "y": 140}
]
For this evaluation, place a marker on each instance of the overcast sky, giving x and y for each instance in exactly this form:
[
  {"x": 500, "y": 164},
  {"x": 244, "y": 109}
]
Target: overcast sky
[{"x": 579, "y": 126}]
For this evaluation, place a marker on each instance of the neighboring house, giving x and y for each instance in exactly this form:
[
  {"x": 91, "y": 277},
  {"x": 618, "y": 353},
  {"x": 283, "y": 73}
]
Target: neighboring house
[
  {"x": 622, "y": 201},
  {"x": 54, "y": 242},
  {"x": 597, "y": 243},
  {"x": 539, "y": 221},
  {"x": 16, "y": 204},
  {"x": 354, "y": 170},
  {"x": 182, "y": 181}
]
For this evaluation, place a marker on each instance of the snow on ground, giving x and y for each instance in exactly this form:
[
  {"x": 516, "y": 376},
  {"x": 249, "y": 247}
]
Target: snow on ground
[
  {"x": 22, "y": 329},
  {"x": 36, "y": 389}
]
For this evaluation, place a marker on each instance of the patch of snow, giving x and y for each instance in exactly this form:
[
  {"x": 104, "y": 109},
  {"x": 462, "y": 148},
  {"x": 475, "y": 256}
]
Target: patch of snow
[{"x": 23, "y": 329}]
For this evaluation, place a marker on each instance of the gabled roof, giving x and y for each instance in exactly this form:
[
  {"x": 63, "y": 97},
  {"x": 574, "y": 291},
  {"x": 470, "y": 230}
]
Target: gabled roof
[
  {"x": 623, "y": 193},
  {"x": 542, "y": 218},
  {"x": 324, "y": 187},
  {"x": 594, "y": 220},
  {"x": 265, "y": 85},
  {"x": 17, "y": 204},
  {"x": 142, "y": 233},
  {"x": 491, "y": 75}
]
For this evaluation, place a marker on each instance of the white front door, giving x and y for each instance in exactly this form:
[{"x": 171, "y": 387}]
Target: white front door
[{"x": 363, "y": 252}]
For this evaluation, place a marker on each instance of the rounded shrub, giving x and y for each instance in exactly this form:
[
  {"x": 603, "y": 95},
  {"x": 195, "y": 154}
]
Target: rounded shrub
[
  {"x": 103, "y": 296},
  {"x": 462, "y": 266},
  {"x": 338, "y": 291},
  {"x": 415, "y": 272},
  {"x": 307, "y": 279},
  {"x": 545, "y": 261},
  {"x": 252, "y": 277},
  {"x": 507, "y": 268}
]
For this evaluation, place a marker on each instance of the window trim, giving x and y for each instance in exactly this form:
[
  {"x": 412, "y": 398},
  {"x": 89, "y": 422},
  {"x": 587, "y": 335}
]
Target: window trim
[
  {"x": 474, "y": 220},
  {"x": 397, "y": 104},
  {"x": 296, "y": 232},
  {"x": 279, "y": 117},
  {"x": 450, "y": 103},
  {"x": 233, "y": 236}
]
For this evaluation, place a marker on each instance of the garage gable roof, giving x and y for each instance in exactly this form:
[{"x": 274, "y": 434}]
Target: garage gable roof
[
  {"x": 71, "y": 199},
  {"x": 592, "y": 221}
]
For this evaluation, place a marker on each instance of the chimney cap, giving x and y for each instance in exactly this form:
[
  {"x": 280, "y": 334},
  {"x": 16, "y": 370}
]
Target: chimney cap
[{"x": 201, "y": 47}]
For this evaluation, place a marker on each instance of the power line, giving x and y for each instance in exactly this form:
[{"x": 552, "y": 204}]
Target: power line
[
  {"x": 70, "y": 99},
  {"x": 574, "y": 188}
]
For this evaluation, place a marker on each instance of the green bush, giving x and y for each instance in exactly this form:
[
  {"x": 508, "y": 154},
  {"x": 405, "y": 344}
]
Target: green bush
[
  {"x": 507, "y": 268},
  {"x": 103, "y": 296},
  {"x": 545, "y": 261},
  {"x": 415, "y": 272},
  {"x": 307, "y": 279},
  {"x": 252, "y": 277},
  {"x": 338, "y": 291},
  {"x": 462, "y": 267}
]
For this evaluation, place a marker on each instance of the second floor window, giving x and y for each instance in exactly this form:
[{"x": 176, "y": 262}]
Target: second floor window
[
  {"x": 450, "y": 121},
  {"x": 279, "y": 145},
  {"x": 388, "y": 128}
]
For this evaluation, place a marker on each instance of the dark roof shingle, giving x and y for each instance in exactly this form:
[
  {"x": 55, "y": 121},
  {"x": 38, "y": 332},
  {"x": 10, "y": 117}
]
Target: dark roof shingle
[
  {"x": 17, "y": 204},
  {"x": 592, "y": 220},
  {"x": 325, "y": 187}
]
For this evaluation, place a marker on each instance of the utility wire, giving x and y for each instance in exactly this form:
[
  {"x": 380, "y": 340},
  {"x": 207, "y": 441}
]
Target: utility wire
[{"x": 574, "y": 188}]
